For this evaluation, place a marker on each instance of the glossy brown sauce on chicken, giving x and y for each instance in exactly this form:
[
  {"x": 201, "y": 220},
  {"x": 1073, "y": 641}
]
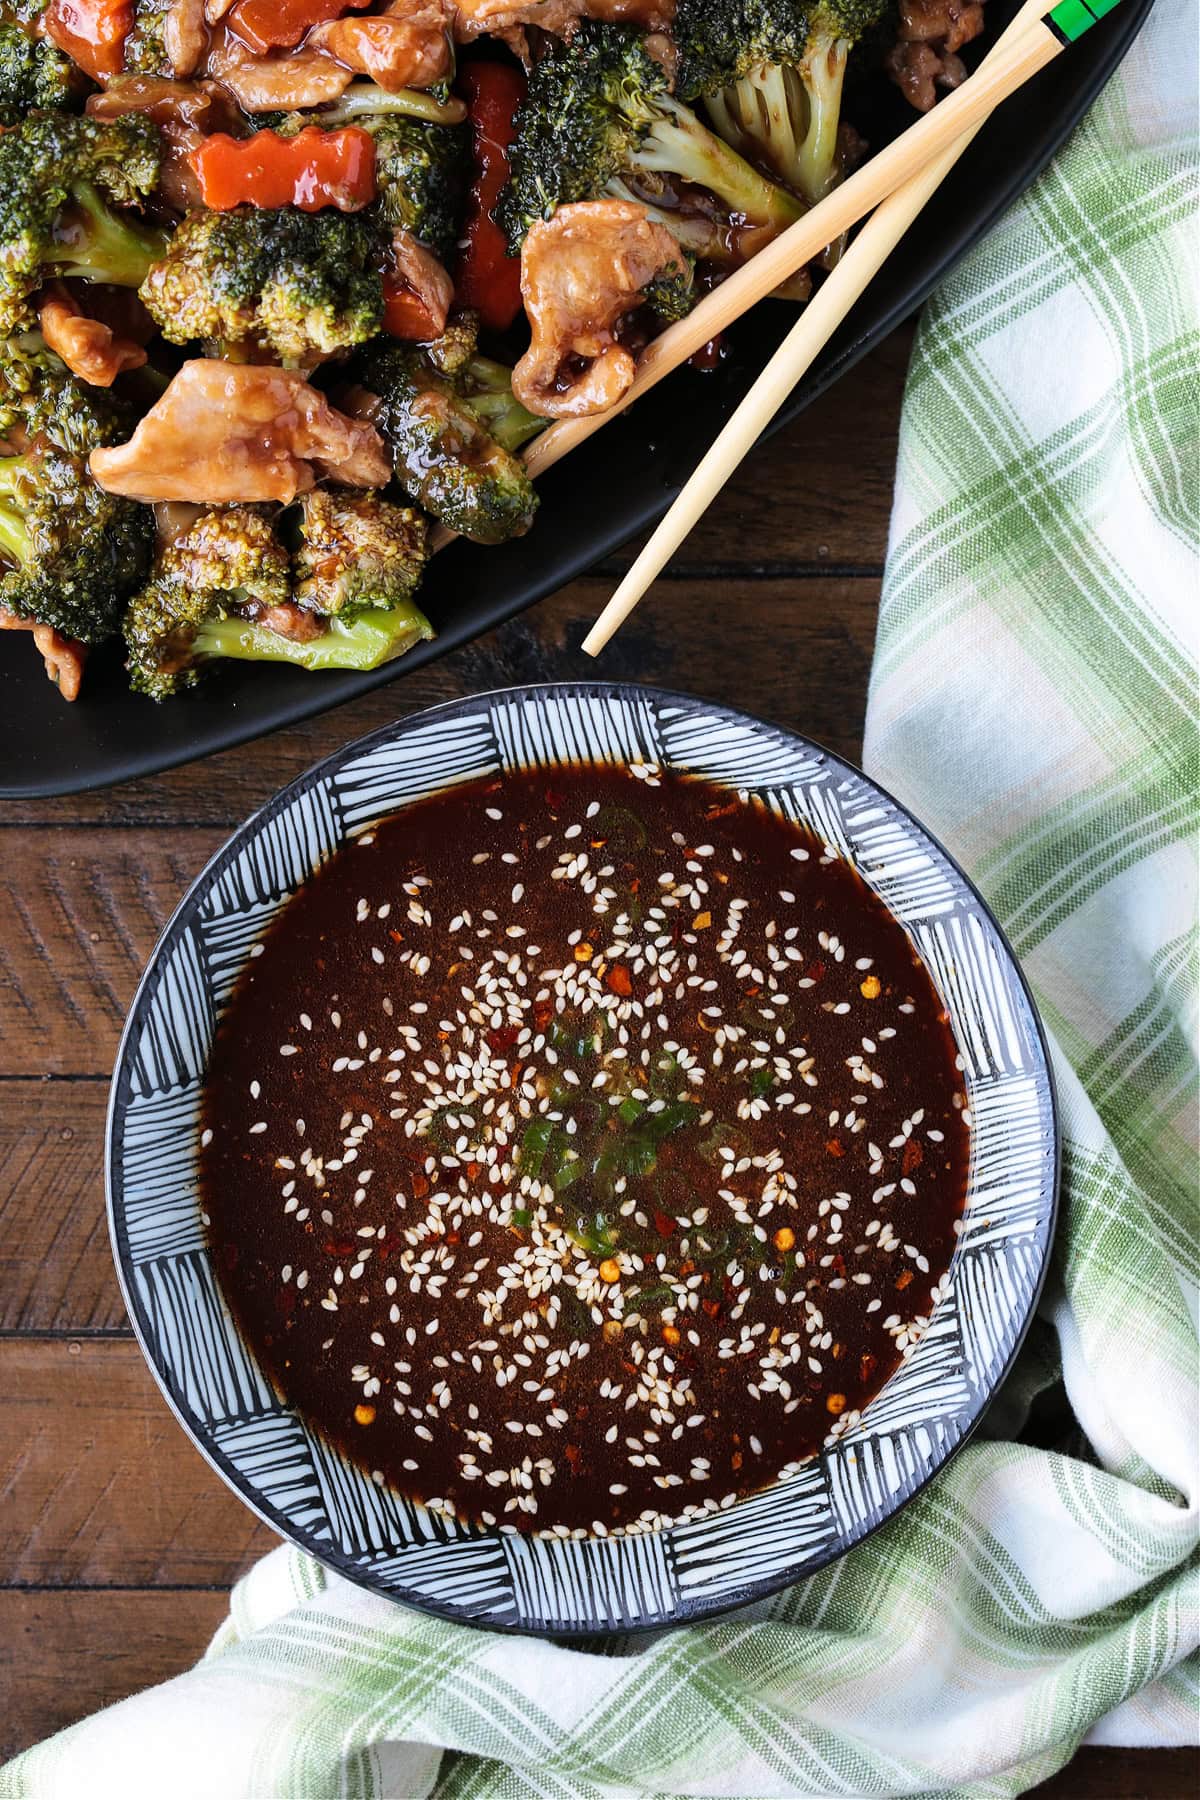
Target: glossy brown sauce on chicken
[{"x": 583, "y": 1149}]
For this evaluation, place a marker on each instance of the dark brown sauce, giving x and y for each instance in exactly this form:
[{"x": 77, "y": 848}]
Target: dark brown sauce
[{"x": 591, "y": 1187}]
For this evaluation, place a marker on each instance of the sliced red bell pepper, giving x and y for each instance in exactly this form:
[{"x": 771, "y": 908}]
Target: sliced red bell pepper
[
  {"x": 405, "y": 314},
  {"x": 313, "y": 169},
  {"x": 280, "y": 24},
  {"x": 488, "y": 278},
  {"x": 91, "y": 32}
]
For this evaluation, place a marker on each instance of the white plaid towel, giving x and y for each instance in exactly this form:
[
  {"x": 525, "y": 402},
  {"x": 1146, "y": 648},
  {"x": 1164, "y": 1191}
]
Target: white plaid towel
[{"x": 1033, "y": 701}]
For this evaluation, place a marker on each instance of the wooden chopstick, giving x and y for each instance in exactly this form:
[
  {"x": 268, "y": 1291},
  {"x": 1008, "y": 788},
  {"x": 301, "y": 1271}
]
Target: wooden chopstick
[{"x": 803, "y": 343}]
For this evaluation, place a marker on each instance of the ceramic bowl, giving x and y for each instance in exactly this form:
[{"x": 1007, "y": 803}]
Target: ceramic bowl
[{"x": 304, "y": 1487}]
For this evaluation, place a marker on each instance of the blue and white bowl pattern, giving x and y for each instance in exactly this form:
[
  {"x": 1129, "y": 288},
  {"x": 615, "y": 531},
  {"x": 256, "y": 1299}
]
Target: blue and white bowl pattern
[{"x": 304, "y": 1487}]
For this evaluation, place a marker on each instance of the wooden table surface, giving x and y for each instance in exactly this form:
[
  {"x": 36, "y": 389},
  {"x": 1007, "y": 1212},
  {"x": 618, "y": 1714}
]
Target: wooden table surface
[{"x": 117, "y": 1543}]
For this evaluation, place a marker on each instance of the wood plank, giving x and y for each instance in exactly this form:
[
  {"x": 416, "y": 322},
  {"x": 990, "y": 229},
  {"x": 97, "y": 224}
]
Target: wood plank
[
  {"x": 56, "y": 1270},
  {"x": 99, "y": 1484},
  {"x": 79, "y": 915},
  {"x": 806, "y": 663},
  {"x": 68, "y": 1654}
]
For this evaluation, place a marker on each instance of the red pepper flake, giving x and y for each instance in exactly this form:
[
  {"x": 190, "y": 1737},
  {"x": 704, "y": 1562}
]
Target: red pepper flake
[
  {"x": 618, "y": 980},
  {"x": 815, "y": 971},
  {"x": 912, "y": 1158},
  {"x": 664, "y": 1225},
  {"x": 835, "y": 1147},
  {"x": 420, "y": 1187},
  {"x": 904, "y": 1278}
]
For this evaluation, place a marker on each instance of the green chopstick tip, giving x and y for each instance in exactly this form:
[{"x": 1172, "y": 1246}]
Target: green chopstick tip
[{"x": 1071, "y": 18}]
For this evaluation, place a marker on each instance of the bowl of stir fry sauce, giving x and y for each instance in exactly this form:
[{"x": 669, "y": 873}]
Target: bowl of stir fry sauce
[{"x": 580, "y": 1159}]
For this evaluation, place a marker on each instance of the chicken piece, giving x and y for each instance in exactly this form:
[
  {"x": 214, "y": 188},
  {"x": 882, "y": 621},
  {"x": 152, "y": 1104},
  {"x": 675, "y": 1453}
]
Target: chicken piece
[
  {"x": 184, "y": 111},
  {"x": 288, "y": 83},
  {"x": 502, "y": 18},
  {"x": 227, "y": 432},
  {"x": 947, "y": 23},
  {"x": 185, "y": 38},
  {"x": 406, "y": 45},
  {"x": 582, "y": 271},
  {"x": 63, "y": 657},
  {"x": 420, "y": 270},
  {"x": 90, "y": 348}
]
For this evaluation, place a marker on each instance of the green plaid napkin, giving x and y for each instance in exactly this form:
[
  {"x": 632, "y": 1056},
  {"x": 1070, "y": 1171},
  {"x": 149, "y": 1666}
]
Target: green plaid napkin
[{"x": 1032, "y": 700}]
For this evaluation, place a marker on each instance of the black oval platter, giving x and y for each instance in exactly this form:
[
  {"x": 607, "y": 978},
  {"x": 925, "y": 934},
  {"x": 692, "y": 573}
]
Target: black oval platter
[{"x": 593, "y": 503}]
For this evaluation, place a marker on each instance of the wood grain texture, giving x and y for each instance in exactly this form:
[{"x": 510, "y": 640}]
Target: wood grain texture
[
  {"x": 80, "y": 912},
  {"x": 56, "y": 1270},
  {"x": 66, "y": 1655},
  {"x": 99, "y": 1485}
]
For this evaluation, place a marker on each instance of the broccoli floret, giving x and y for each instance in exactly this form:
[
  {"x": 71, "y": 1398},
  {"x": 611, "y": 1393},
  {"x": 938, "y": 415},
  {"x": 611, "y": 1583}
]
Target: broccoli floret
[
  {"x": 451, "y": 424},
  {"x": 358, "y": 552},
  {"x": 771, "y": 72},
  {"x": 145, "y": 50},
  {"x": 40, "y": 396},
  {"x": 598, "y": 111},
  {"x": 670, "y": 295},
  {"x": 34, "y": 73},
  {"x": 300, "y": 283},
  {"x": 72, "y": 551},
  {"x": 58, "y": 175},
  {"x": 422, "y": 171},
  {"x": 226, "y": 565},
  {"x": 212, "y": 589}
]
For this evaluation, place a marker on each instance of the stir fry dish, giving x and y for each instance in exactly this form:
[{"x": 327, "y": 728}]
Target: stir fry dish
[{"x": 287, "y": 284}]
